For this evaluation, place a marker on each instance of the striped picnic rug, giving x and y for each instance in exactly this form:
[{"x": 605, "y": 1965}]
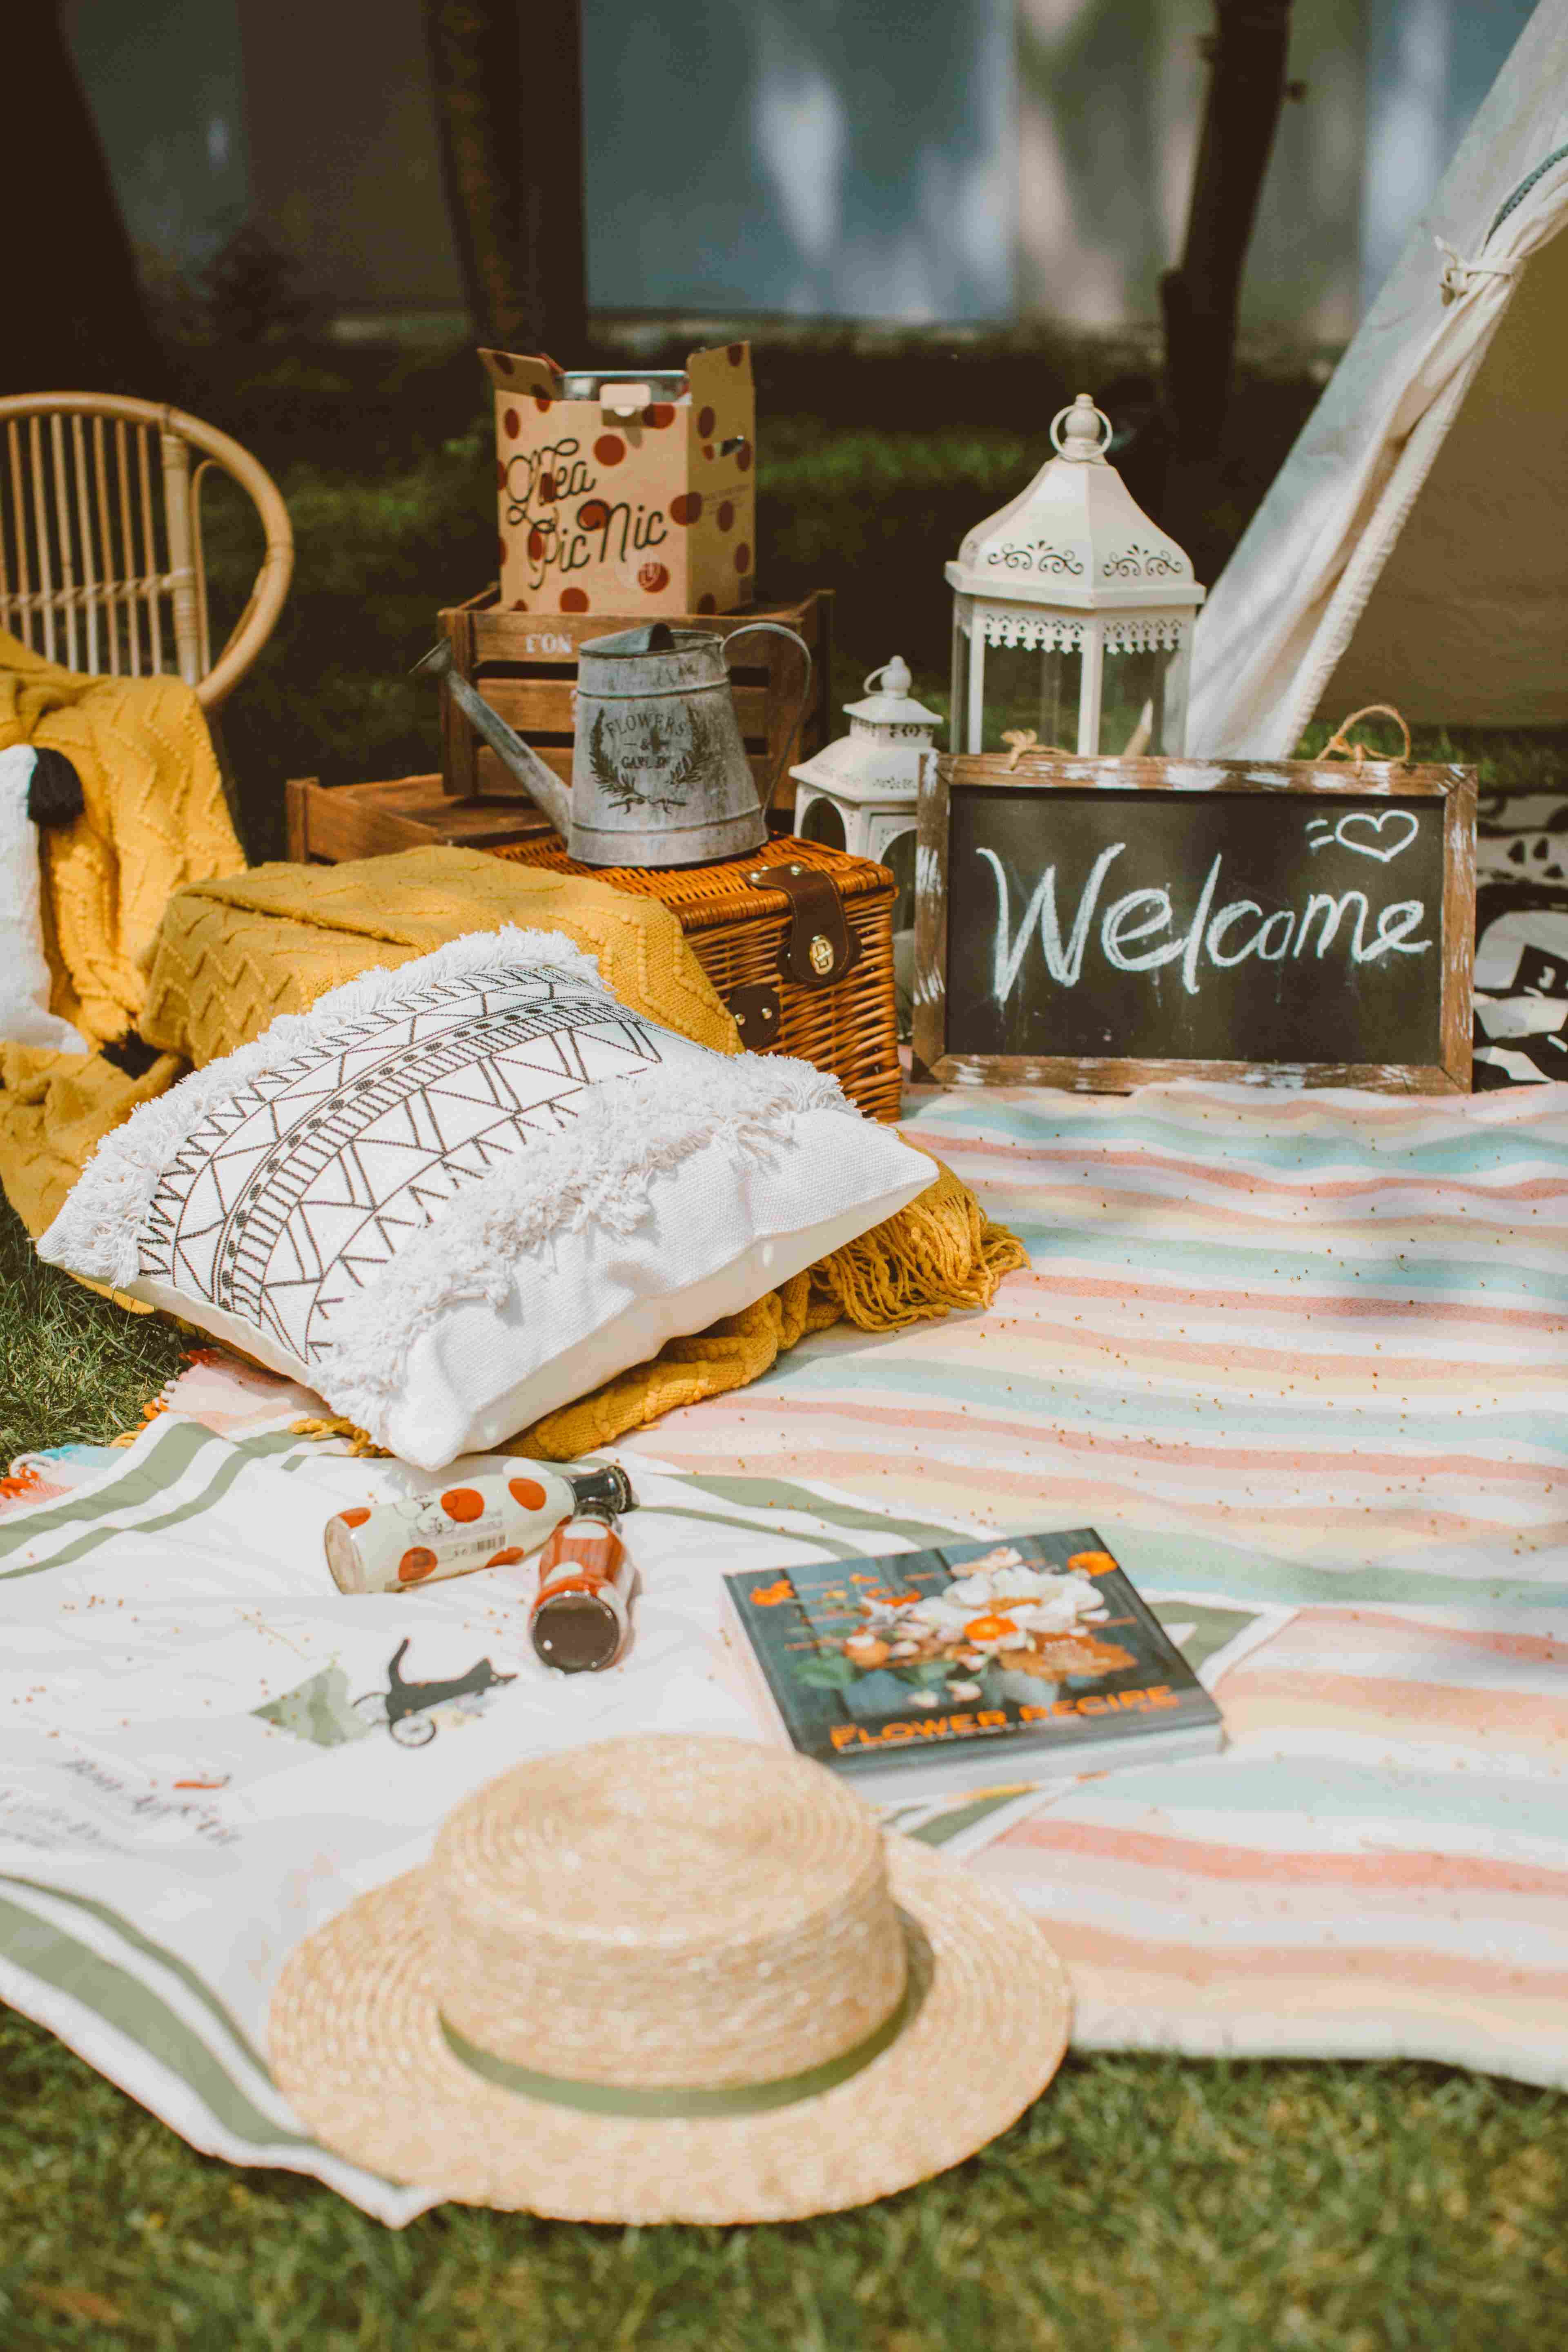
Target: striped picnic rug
[
  {"x": 1299, "y": 1358},
  {"x": 1306, "y": 1351}
]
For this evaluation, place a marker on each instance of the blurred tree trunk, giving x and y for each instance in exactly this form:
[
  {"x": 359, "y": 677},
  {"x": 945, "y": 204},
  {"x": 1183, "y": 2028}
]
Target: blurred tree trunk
[
  {"x": 77, "y": 319},
  {"x": 507, "y": 77},
  {"x": 1201, "y": 299}
]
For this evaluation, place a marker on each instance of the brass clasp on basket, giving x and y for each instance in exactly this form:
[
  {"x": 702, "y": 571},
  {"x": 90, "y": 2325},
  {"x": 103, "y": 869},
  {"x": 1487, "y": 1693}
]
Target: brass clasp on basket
[{"x": 819, "y": 946}]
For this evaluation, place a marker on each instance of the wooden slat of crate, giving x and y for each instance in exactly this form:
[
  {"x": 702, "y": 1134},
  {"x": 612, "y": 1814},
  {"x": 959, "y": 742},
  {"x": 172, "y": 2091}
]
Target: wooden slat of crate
[
  {"x": 329, "y": 823},
  {"x": 525, "y": 665}
]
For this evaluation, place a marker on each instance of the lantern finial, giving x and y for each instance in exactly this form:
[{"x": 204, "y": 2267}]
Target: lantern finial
[
  {"x": 896, "y": 677},
  {"x": 1081, "y": 444}
]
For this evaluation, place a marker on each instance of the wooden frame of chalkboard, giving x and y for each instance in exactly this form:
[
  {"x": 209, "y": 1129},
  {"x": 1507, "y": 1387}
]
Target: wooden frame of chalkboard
[{"x": 1001, "y": 960}]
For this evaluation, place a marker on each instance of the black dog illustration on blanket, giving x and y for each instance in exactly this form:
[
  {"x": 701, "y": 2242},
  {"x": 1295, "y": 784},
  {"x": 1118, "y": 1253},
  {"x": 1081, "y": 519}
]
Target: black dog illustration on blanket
[{"x": 407, "y": 1708}]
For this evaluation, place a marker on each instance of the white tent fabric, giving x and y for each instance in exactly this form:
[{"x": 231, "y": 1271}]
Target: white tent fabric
[{"x": 1414, "y": 548}]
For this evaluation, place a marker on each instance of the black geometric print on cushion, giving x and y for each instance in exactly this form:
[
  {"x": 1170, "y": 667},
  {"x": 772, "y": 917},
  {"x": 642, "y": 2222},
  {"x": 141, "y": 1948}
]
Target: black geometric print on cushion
[{"x": 301, "y": 1187}]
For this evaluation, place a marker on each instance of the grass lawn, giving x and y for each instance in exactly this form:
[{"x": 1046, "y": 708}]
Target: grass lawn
[{"x": 1145, "y": 2204}]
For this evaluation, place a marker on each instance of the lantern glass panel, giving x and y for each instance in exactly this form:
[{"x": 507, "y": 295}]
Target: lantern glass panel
[
  {"x": 898, "y": 857},
  {"x": 824, "y": 823},
  {"x": 1137, "y": 707},
  {"x": 958, "y": 709},
  {"x": 1025, "y": 687}
]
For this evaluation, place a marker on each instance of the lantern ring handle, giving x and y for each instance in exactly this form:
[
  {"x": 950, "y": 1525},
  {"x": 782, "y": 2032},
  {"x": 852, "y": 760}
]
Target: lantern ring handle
[{"x": 1072, "y": 409}]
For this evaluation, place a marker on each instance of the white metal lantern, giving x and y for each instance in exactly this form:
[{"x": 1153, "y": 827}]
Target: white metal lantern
[
  {"x": 1072, "y": 613},
  {"x": 860, "y": 791}
]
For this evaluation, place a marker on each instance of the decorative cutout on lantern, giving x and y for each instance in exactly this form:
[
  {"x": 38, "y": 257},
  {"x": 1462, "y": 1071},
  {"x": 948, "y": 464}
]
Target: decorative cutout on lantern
[
  {"x": 1072, "y": 613},
  {"x": 859, "y": 793}
]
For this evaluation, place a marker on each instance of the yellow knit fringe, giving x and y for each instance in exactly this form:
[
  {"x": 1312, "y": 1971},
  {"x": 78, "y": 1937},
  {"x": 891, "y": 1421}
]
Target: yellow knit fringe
[
  {"x": 359, "y": 1442},
  {"x": 940, "y": 1251}
]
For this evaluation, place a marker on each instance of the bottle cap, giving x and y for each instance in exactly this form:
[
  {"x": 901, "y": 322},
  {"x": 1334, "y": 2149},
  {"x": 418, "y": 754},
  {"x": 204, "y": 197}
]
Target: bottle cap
[
  {"x": 607, "y": 1487},
  {"x": 576, "y": 1632}
]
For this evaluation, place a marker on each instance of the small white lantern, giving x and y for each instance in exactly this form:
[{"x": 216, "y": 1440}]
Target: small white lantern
[
  {"x": 860, "y": 793},
  {"x": 1072, "y": 613}
]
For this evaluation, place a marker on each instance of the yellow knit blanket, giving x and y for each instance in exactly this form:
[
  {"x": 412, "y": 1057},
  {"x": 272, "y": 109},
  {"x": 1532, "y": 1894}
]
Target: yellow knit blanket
[
  {"x": 233, "y": 951},
  {"x": 153, "y": 818}
]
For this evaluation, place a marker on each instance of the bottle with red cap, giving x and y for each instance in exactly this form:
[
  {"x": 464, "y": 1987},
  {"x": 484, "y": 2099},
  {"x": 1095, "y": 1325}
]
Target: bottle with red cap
[
  {"x": 488, "y": 1521},
  {"x": 582, "y": 1611}
]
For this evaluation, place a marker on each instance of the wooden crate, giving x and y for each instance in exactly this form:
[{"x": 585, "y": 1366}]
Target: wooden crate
[
  {"x": 329, "y": 823},
  {"x": 525, "y": 666},
  {"x": 738, "y": 933}
]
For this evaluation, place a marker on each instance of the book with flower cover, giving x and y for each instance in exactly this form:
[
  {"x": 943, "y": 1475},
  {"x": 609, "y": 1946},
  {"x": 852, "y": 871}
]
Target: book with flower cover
[{"x": 978, "y": 1662}]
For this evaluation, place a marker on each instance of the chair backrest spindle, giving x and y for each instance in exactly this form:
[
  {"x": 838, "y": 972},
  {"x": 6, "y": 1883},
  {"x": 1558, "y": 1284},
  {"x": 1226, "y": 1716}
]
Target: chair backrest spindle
[
  {"x": 41, "y": 519},
  {"x": 199, "y": 567},
  {"x": 106, "y": 546},
  {"x": 182, "y": 574},
  {"x": 7, "y": 595},
  {"x": 84, "y": 534},
  {"x": 151, "y": 569},
  {"x": 127, "y": 550},
  {"x": 24, "y": 589},
  {"x": 61, "y": 516}
]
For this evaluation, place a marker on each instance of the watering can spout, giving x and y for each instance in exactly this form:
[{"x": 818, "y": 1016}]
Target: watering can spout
[{"x": 542, "y": 783}]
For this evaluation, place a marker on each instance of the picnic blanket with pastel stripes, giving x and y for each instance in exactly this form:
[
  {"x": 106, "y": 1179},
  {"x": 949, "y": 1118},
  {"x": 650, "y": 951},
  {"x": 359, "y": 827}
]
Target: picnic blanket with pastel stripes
[{"x": 1300, "y": 1359}]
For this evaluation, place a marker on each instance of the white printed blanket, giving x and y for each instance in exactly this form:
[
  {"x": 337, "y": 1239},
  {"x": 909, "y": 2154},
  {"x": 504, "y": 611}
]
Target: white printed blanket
[{"x": 208, "y": 1750}]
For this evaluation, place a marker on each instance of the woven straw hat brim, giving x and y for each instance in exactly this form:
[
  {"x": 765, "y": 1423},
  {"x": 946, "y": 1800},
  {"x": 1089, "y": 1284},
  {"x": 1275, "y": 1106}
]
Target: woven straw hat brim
[{"x": 358, "y": 2048}]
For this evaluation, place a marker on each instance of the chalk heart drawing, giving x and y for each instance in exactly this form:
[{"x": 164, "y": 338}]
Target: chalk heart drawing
[{"x": 1345, "y": 833}]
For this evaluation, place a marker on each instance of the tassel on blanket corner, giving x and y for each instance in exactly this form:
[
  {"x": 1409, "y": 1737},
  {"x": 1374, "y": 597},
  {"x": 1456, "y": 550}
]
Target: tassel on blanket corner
[{"x": 360, "y": 1442}]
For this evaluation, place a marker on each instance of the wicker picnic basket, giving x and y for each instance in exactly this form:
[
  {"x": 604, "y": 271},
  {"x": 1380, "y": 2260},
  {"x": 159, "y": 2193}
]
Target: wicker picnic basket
[{"x": 806, "y": 969}]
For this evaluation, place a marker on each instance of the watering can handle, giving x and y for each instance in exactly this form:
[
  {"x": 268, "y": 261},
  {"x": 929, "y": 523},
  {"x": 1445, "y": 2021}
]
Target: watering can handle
[{"x": 777, "y": 629}]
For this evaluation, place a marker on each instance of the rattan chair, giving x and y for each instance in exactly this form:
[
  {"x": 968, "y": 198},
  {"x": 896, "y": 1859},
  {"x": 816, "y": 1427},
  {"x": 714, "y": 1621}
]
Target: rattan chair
[{"x": 101, "y": 529}]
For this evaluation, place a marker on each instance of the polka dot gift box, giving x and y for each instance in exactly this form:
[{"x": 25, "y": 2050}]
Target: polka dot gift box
[{"x": 628, "y": 493}]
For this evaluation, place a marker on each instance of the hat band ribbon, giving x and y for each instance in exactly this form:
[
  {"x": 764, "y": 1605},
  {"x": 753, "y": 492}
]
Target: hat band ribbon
[{"x": 675, "y": 2099}]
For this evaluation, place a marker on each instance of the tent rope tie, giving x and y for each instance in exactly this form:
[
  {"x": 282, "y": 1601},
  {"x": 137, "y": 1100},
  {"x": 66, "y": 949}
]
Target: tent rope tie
[
  {"x": 1459, "y": 275},
  {"x": 1338, "y": 746}
]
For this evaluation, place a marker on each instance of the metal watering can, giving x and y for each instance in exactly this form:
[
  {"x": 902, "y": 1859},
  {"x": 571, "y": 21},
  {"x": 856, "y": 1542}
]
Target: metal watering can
[{"x": 659, "y": 774}]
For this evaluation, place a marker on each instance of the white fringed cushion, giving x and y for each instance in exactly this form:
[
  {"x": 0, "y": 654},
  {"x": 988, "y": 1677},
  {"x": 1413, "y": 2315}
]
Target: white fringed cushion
[
  {"x": 453, "y": 1196},
  {"x": 24, "y": 1015}
]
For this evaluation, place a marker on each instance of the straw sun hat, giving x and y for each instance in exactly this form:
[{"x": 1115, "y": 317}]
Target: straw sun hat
[{"x": 667, "y": 1978}]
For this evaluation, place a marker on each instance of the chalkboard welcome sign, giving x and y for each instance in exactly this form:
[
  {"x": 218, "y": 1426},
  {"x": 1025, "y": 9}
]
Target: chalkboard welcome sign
[{"x": 1098, "y": 923}]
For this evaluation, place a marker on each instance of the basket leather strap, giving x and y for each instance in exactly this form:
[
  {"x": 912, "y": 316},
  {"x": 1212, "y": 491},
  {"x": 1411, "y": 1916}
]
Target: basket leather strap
[
  {"x": 758, "y": 1014},
  {"x": 819, "y": 947}
]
